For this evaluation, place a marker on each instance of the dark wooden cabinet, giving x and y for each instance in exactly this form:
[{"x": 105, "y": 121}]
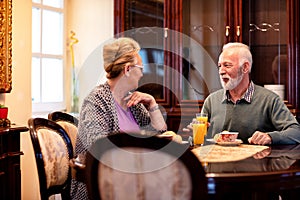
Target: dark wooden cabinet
[
  {"x": 187, "y": 37},
  {"x": 10, "y": 171}
]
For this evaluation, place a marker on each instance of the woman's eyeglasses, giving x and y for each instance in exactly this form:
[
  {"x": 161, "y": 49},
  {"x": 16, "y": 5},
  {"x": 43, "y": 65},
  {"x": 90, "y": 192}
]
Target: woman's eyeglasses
[{"x": 140, "y": 66}]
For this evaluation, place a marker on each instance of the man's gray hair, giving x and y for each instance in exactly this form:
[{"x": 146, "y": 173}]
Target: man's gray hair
[{"x": 243, "y": 51}]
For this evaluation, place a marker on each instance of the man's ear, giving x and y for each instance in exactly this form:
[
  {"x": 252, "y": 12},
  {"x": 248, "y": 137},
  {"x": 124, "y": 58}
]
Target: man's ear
[{"x": 246, "y": 67}]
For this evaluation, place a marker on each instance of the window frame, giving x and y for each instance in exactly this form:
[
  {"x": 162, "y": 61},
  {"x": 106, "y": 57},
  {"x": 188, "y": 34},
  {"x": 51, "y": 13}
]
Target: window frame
[{"x": 43, "y": 108}]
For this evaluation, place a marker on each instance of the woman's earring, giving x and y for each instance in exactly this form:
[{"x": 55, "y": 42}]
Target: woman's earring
[{"x": 127, "y": 74}]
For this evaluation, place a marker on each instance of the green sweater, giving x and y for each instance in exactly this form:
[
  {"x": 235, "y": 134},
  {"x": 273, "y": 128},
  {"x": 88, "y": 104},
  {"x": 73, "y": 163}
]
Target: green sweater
[{"x": 266, "y": 113}]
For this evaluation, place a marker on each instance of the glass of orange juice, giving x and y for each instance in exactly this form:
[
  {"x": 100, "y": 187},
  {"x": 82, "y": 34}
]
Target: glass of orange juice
[
  {"x": 199, "y": 131},
  {"x": 203, "y": 118}
]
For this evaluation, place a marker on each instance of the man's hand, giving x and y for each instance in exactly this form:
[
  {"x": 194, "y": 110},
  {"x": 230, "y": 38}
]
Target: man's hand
[
  {"x": 260, "y": 138},
  {"x": 262, "y": 154},
  {"x": 190, "y": 127}
]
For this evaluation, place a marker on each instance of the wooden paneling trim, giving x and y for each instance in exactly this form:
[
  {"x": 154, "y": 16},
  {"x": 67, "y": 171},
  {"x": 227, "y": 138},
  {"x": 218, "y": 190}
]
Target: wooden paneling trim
[
  {"x": 119, "y": 15},
  {"x": 297, "y": 53},
  {"x": 173, "y": 21},
  {"x": 294, "y": 53},
  {"x": 238, "y": 26},
  {"x": 229, "y": 10}
]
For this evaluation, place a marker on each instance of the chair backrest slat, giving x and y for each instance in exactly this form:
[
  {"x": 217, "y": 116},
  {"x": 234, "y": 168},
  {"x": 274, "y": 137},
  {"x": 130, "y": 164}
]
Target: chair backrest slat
[
  {"x": 139, "y": 167},
  {"x": 53, "y": 149},
  {"x": 68, "y": 122}
]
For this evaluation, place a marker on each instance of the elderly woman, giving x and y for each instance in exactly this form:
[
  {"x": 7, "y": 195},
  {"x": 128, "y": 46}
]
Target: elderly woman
[{"x": 112, "y": 107}]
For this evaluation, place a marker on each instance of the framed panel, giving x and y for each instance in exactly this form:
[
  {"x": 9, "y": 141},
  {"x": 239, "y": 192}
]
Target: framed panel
[{"x": 5, "y": 45}]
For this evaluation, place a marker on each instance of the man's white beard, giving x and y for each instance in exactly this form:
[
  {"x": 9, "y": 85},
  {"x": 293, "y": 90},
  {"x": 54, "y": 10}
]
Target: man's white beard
[{"x": 232, "y": 82}]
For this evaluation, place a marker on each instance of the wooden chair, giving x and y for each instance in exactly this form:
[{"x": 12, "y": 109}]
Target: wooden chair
[
  {"x": 68, "y": 122},
  {"x": 53, "y": 150},
  {"x": 124, "y": 166}
]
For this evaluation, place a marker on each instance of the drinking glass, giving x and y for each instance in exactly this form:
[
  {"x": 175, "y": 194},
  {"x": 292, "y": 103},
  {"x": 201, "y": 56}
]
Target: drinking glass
[
  {"x": 199, "y": 131},
  {"x": 203, "y": 118}
]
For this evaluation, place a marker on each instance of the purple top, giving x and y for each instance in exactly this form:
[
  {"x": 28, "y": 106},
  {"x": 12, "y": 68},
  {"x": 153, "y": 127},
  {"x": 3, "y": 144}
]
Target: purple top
[{"x": 127, "y": 123}]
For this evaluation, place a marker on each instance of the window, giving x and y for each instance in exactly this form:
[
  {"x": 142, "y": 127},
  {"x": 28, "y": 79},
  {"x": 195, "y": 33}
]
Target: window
[{"x": 48, "y": 53}]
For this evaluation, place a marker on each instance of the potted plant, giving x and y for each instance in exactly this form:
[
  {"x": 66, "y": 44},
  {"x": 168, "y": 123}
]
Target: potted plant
[{"x": 3, "y": 111}]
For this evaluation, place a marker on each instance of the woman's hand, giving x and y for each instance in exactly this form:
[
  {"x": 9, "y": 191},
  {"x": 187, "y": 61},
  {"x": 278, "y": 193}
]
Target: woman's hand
[
  {"x": 139, "y": 97},
  {"x": 157, "y": 120}
]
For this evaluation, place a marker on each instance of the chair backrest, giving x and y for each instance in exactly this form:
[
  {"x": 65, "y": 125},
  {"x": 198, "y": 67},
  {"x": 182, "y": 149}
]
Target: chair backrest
[
  {"x": 53, "y": 150},
  {"x": 130, "y": 166},
  {"x": 68, "y": 122}
]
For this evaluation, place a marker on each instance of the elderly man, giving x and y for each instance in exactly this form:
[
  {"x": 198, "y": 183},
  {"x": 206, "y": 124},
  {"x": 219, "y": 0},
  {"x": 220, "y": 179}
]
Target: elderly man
[{"x": 258, "y": 114}]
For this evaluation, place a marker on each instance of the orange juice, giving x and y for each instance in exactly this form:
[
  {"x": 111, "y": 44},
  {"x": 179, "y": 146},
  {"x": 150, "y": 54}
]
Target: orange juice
[
  {"x": 202, "y": 118},
  {"x": 199, "y": 130}
]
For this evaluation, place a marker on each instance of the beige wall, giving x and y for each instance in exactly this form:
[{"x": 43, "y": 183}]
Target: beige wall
[
  {"x": 92, "y": 26},
  {"x": 92, "y": 20}
]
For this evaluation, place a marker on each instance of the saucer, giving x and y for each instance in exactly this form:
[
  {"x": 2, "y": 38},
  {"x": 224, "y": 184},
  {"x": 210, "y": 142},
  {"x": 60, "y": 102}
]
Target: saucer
[
  {"x": 185, "y": 142},
  {"x": 165, "y": 136},
  {"x": 234, "y": 143}
]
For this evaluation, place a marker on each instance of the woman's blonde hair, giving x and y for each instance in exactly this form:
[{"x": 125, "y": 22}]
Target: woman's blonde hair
[{"x": 117, "y": 54}]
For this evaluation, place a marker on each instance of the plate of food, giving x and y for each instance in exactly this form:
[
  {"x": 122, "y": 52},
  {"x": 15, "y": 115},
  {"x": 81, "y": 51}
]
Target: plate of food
[
  {"x": 171, "y": 135},
  {"x": 227, "y": 138}
]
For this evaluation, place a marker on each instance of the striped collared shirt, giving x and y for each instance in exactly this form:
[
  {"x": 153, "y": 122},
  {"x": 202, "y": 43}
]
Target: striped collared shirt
[{"x": 247, "y": 96}]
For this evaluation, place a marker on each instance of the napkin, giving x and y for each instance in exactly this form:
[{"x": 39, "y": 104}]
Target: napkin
[{"x": 218, "y": 153}]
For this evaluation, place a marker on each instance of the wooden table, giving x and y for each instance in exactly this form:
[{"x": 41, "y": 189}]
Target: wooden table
[
  {"x": 278, "y": 173},
  {"x": 266, "y": 175}
]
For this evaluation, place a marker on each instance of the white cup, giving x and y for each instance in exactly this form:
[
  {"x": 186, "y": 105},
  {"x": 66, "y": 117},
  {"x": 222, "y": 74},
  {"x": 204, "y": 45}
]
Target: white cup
[{"x": 278, "y": 89}]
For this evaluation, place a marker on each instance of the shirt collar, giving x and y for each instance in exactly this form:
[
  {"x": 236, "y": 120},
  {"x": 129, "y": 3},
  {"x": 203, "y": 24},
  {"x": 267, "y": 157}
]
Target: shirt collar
[{"x": 247, "y": 96}]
